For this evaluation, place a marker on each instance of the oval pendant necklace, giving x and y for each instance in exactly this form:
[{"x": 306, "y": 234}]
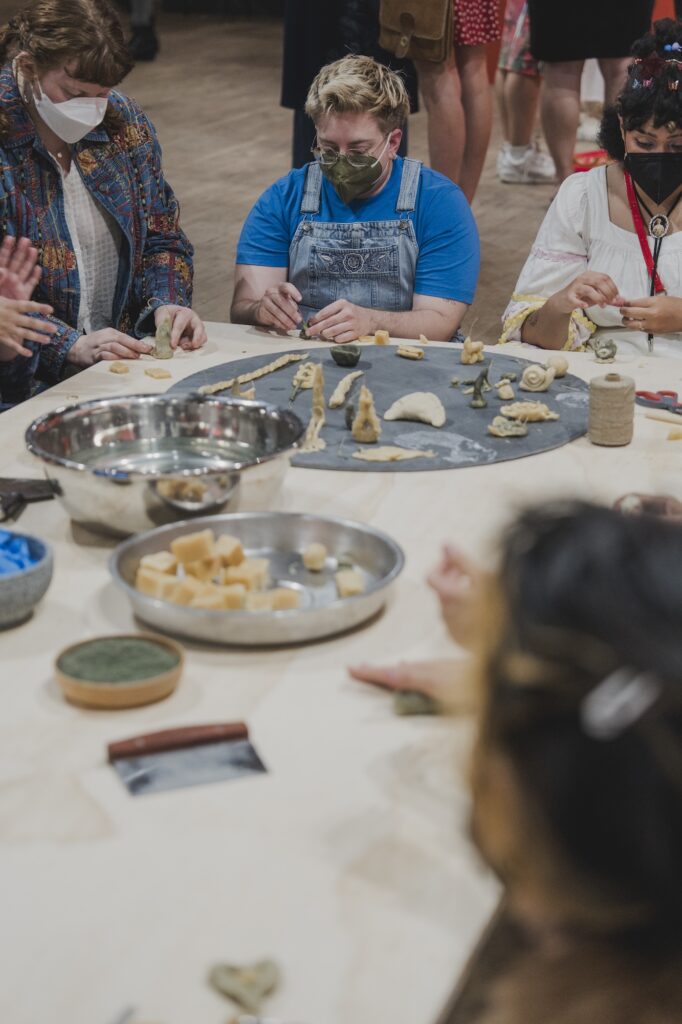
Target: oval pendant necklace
[
  {"x": 659, "y": 226},
  {"x": 659, "y": 223}
]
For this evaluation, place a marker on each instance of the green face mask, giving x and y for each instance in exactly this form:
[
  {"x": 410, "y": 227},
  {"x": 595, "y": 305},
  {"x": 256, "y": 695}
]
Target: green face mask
[
  {"x": 351, "y": 182},
  {"x": 354, "y": 176}
]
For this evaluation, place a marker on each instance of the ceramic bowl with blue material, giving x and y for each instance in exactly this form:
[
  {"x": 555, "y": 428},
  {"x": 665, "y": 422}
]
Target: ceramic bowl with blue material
[{"x": 25, "y": 574}]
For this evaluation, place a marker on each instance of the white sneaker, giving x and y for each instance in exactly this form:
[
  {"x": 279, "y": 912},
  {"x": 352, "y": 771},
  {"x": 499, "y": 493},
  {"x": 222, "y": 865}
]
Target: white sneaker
[
  {"x": 525, "y": 165},
  {"x": 588, "y": 129}
]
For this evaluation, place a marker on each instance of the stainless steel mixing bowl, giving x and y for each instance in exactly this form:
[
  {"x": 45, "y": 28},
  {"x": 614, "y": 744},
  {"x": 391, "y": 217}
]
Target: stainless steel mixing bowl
[{"x": 123, "y": 465}]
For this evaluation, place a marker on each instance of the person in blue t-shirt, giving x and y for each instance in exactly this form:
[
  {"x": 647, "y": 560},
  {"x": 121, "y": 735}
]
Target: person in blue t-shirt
[{"x": 359, "y": 240}]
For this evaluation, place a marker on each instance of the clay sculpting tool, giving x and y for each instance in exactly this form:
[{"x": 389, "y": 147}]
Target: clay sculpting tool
[{"x": 189, "y": 756}]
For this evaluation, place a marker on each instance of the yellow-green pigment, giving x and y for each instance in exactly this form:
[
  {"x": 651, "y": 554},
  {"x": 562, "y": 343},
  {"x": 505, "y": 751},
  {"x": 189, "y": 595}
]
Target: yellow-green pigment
[{"x": 118, "y": 660}]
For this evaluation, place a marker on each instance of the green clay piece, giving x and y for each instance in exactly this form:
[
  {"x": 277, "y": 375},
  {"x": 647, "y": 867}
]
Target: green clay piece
[
  {"x": 411, "y": 702},
  {"x": 455, "y": 382},
  {"x": 162, "y": 349},
  {"x": 502, "y": 427},
  {"x": 481, "y": 384},
  {"x": 511, "y": 377},
  {"x": 604, "y": 349},
  {"x": 350, "y": 415},
  {"x": 117, "y": 660},
  {"x": 247, "y": 986},
  {"x": 305, "y": 327},
  {"x": 346, "y": 355}
]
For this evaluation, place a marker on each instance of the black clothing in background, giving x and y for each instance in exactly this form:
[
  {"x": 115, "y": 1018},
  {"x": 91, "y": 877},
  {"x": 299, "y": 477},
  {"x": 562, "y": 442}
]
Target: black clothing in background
[
  {"x": 586, "y": 28},
  {"x": 317, "y": 32}
]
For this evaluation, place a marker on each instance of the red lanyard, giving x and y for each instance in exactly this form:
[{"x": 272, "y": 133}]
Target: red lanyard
[{"x": 638, "y": 221}]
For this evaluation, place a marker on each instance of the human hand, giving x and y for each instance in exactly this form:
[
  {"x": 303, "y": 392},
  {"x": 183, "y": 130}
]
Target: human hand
[
  {"x": 650, "y": 505},
  {"x": 448, "y": 681},
  {"x": 187, "y": 328},
  {"x": 456, "y": 580},
  {"x": 658, "y": 314},
  {"x": 16, "y": 327},
  {"x": 588, "y": 289},
  {"x": 106, "y": 344},
  {"x": 19, "y": 272},
  {"x": 430, "y": 677},
  {"x": 342, "y": 322},
  {"x": 279, "y": 307}
]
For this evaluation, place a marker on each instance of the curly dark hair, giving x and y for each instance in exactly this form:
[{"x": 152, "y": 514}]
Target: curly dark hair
[{"x": 660, "y": 101}]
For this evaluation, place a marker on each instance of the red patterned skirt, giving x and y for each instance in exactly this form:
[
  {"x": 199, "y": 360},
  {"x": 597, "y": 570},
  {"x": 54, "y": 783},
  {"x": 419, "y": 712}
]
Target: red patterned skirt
[{"x": 476, "y": 22}]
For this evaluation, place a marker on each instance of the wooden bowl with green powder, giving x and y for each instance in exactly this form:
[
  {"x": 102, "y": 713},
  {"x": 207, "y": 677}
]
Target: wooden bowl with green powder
[{"x": 119, "y": 671}]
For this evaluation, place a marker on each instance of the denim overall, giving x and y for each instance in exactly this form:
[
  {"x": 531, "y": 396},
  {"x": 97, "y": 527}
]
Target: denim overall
[{"x": 371, "y": 264}]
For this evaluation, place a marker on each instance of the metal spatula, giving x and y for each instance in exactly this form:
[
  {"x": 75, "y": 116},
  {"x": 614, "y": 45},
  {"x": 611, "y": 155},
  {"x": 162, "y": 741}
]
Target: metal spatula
[{"x": 190, "y": 756}]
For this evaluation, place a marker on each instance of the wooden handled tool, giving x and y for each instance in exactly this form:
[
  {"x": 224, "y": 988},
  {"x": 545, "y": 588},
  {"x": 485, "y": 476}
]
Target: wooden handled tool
[{"x": 177, "y": 739}]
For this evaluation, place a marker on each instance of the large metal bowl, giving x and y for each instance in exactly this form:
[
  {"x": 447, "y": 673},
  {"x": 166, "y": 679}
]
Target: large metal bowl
[
  {"x": 280, "y": 537},
  {"x": 123, "y": 465}
]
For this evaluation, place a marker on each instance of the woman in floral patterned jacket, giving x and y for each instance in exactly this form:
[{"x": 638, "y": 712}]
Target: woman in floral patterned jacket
[{"x": 81, "y": 178}]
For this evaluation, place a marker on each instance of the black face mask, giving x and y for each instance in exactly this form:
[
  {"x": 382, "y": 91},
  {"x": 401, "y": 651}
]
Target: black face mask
[{"x": 658, "y": 174}]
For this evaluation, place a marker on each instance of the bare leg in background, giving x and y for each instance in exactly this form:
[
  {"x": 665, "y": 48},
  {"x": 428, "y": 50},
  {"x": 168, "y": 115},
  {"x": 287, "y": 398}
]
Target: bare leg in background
[
  {"x": 615, "y": 72},
  {"x": 477, "y": 102},
  {"x": 458, "y": 101},
  {"x": 518, "y": 98},
  {"x": 561, "y": 112},
  {"x": 441, "y": 91}
]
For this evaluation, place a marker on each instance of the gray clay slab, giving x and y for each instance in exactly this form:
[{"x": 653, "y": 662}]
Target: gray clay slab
[{"x": 462, "y": 441}]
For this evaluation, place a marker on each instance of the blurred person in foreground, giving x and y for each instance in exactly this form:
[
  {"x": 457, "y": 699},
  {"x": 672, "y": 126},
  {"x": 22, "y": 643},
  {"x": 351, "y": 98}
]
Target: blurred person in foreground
[{"x": 576, "y": 668}]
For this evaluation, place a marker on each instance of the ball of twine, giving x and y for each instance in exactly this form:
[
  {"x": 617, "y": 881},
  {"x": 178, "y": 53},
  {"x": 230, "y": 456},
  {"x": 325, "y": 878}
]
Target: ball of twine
[{"x": 612, "y": 410}]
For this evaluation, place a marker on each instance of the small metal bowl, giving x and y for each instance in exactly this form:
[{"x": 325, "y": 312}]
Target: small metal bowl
[
  {"x": 123, "y": 465},
  {"x": 280, "y": 537},
  {"x": 20, "y": 591}
]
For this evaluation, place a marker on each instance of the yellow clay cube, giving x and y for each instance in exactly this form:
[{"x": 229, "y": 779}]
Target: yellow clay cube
[
  {"x": 205, "y": 569},
  {"x": 252, "y": 572},
  {"x": 210, "y": 598},
  {"x": 314, "y": 557},
  {"x": 382, "y": 338},
  {"x": 159, "y": 585},
  {"x": 186, "y": 590},
  {"x": 161, "y": 561},
  {"x": 229, "y": 550},
  {"x": 260, "y": 602},
  {"x": 349, "y": 582},
  {"x": 194, "y": 547},
  {"x": 234, "y": 596},
  {"x": 284, "y": 599}
]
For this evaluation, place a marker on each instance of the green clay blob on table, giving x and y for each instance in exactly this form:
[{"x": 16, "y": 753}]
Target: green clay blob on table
[{"x": 117, "y": 660}]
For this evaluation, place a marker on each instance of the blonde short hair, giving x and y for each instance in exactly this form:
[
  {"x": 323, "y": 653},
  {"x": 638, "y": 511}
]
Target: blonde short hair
[{"x": 359, "y": 85}]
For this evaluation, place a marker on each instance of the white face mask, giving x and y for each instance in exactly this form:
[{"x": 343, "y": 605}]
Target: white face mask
[{"x": 71, "y": 120}]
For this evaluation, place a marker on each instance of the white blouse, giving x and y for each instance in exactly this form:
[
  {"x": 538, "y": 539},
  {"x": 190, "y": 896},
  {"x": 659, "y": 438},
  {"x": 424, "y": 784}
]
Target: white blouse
[
  {"x": 577, "y": 235},
  {"x": 96, "y": 241}
]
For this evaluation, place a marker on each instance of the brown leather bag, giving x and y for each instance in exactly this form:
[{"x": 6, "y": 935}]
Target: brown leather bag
[{"x": 418, "y": 29}]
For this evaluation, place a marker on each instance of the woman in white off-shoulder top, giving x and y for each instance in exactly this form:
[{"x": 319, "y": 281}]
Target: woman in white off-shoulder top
[{"x": 589, "y": 270}]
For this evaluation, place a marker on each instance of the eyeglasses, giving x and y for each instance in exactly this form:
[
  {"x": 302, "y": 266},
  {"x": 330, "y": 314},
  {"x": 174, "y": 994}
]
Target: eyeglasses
[{"x": 329, "y": 157}]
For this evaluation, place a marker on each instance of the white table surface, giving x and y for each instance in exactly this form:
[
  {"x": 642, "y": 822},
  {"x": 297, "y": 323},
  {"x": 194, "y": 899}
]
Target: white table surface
[{"x": 349, "y": 861}]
